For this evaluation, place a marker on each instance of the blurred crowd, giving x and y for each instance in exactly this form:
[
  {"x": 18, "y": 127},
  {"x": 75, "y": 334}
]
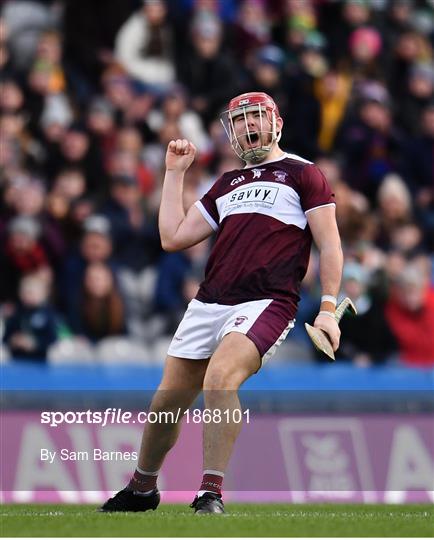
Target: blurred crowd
[{"x": 91, "y": 93}]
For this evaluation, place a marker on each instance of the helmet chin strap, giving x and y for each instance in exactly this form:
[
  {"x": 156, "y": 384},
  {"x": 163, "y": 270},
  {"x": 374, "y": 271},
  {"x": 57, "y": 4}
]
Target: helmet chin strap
[{"x": 256, "y": 155}]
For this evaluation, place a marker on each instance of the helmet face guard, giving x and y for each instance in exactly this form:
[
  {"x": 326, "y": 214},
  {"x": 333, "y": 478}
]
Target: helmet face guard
[{"x": 256, "y": 102}]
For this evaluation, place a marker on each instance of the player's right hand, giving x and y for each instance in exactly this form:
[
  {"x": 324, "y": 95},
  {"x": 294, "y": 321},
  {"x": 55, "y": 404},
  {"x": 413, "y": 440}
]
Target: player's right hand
[{"x": 180, "y": 155}]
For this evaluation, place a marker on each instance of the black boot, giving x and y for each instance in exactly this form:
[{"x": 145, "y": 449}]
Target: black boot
[
  {"x": 131, "y": 501},
  {"x": 208, "y": 503}
]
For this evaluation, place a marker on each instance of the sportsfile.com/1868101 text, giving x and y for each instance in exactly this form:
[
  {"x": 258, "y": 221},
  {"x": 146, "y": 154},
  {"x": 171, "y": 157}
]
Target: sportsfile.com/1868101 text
[{"x": 113, "y": 415}]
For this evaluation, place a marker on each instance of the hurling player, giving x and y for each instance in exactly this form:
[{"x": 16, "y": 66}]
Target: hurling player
[{"x": 265, "y": 217}]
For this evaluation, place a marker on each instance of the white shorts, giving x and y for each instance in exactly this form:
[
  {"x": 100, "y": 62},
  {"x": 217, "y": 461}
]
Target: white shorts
[{"x": 204, "y": 326}]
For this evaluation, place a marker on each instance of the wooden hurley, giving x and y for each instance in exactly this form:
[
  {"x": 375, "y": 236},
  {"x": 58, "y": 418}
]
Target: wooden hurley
[{"x": 320, "y": 339}]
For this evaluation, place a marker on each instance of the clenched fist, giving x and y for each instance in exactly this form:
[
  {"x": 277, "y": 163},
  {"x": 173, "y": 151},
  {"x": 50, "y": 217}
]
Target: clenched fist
[{"x": 180, "y": 155}]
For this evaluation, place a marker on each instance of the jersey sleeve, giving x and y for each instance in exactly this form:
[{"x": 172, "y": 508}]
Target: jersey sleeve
[
  {"x": 208, "y": 207},
  {"x": 315, "y": 191}
]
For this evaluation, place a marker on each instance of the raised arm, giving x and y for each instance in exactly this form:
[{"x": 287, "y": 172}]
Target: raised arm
[
  {"x": 177, "y": 229},
  {"x": 322, "y": 223}
]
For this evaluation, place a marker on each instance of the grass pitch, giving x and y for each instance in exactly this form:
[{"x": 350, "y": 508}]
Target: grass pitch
[{"x": 264, "y": 520}]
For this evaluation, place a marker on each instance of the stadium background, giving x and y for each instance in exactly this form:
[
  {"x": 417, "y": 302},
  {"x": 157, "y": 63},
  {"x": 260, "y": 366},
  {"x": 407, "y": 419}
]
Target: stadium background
[{"x": 90, "y": 94}]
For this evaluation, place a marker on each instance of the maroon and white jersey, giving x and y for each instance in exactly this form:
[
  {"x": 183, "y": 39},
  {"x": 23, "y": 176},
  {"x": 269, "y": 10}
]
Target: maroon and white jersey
[{"x": 263, "y": 238}]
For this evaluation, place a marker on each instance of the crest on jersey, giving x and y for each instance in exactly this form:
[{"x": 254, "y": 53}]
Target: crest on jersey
[
  {"x": 239, "y": 320},
  {"x": 280, "y": 176},
  {"x": 257, "y": 173}
]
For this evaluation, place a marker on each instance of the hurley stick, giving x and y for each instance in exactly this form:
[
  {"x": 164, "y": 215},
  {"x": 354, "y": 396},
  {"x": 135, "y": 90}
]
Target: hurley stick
[{"x": 319, "y": 338}]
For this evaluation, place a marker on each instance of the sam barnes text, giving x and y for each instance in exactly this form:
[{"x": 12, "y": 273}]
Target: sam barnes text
[{"x": 96, "y": 455}]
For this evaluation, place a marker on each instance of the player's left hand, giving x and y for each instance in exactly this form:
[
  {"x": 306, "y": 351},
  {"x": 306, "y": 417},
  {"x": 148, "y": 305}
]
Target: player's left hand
[{"x": 330, "y": 326}]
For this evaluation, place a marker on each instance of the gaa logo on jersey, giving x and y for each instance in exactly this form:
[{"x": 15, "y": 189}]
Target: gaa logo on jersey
[
  {"x": 239, "y": 320},
  {"x": 237, "y": 180},
  {"x": 280, "y": 176}
]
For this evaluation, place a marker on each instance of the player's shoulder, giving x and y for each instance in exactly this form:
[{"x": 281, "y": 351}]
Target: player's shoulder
[
  {"x": 297, "y": 159},
  {"x": 231, "y": 177},
  {"x": 295, "y": 162},
  {"x": 302, "y": 170}
]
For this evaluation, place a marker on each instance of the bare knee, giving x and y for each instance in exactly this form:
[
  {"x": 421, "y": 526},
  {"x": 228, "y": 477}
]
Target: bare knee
[
  {"x": 171, "y": 400},
  {"x": 235, "y": 359},
  {"x": 221, "y": 378}
]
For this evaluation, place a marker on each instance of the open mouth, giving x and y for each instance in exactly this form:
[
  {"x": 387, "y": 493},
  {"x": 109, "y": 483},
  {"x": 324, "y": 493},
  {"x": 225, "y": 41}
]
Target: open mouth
[{"x": 252, "y": 139}]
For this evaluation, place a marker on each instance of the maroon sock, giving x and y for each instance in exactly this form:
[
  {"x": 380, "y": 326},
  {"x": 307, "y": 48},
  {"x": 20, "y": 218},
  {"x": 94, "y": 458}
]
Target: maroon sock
[
  {"x": 212, "y": 482},
  {"x": 143, "y": 481}
]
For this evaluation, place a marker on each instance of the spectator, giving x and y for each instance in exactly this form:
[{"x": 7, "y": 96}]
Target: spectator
[
  {"x": 5, "y": 64},
  {"x": 174, "y": 108},
  {"x": 339, "y": 20},
  {"x": 305, "y": 119},
  {"x": 365, "y": 45},
  {"x": 46, "y": 79},
  {"x": 419, "y": 162},
  {"x": 79, "y": 210},
  {"x": 333, "y": 93},
  {"x": 25, "y": 21},
  {"x": 411, "y": 48},
  {"x": 95, "y": 247},
  {"x": 101, "y": 310},
  {"x": 89, "y": 41},
  {"x": 206, "y": 71},
  {"x": 33, "y": 326},
  {"x": 369, "y": 321},
  {"x": 397, "y": 20},
  {"x": 77, "y": 150},
  {"x": 54, "y": 122},
  {"x": 410, "y": 313},
  {"x": 179, "y": 276},
  {"x": 394, "y": 208},
  {"x": 69, "y": 185},
  {"x": 127, "y": 159},
  {"x": 420, "y": 93},
  {"x": 12, "y": 131},
  {"x": 266, "y": 74},
  {"x": 420, "y": 167},
  {"x": 372, "y": 146},
  {"x": 136, "y": 248},
  {"x": 292, "y": 25},
  {"x": 251, "y": 31},
  {"x": 20, "y": 254},
  {"x": 144, "y": 46},
  {"x": 49, "y": 50},
  {"x": 27, "y": 198},
  {"x": 100, "y": 122},
  {"x": 135, "y": 239},
  {"x": 407, "y": 238},
  {"x": 118, "y": 89},
  {"x": 352, "y": 208},
  {"x": 11, "y": 95}
]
